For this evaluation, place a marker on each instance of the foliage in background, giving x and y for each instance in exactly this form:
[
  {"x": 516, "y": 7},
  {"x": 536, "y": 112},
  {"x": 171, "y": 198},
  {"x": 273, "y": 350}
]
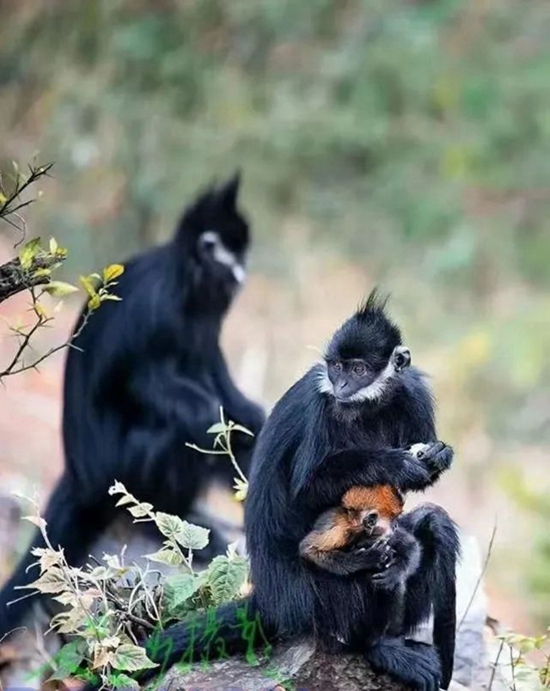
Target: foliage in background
[
  {"x": 32, "y": 270},
  {"x": 524, "y": 661},
  {"x": 537, "y": 503}
]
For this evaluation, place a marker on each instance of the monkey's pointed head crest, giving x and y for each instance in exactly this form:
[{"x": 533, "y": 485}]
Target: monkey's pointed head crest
[{"x": 368, "y": 334}]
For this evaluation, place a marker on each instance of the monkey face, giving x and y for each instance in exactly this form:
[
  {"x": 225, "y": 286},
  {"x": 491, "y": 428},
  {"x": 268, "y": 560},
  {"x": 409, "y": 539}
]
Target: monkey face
[{"x": 374, "y": 524}]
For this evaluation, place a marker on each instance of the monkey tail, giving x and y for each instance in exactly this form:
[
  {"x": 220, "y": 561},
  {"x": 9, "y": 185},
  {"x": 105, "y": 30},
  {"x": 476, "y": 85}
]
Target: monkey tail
[
  {"x": 213, "y": 634},
  {"x": 232, "y": 629},
  {"x": 67, "y": 527},
  {"x": 444, "y": 629}
]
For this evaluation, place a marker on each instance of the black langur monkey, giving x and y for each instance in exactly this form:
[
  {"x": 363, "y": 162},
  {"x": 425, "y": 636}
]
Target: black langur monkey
[
  {"x": 349, "y": 421},
  {"x": 366, "y": 516},
  {"x": 367, "y": 519},
  {"x": 147, "y": 376}
]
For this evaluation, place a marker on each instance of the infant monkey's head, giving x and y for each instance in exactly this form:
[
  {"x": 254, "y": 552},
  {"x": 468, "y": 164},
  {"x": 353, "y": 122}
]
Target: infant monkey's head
[{"x": 372, "y": 510}]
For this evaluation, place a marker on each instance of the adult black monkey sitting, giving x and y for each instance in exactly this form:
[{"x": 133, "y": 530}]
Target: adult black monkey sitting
[
  {"x": 146, "y": 377},
  {"x": 347, "y": 422}
]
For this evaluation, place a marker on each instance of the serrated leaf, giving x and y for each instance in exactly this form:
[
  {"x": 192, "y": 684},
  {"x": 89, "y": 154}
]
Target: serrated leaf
[
  {"x": 47, "y": 557},
  {"x": 102, "y": 658},
  {"x": 52, "y": 581},
  {"x": 131, "y": 658},
  {"x": 141, "y": 510},
  {"x": 179, "y": 589},
  {"x": 166, "y": 556},
  {"x": 225, "y": 577},
  {"x": 67, "y": 598},
  {"x": 123, "y": 681},
  {"x": 192, "y": 536},
  {"x": 68, "y": 660},
  {"x": 168, "y": 524},
  {"x": 102, "y": 573},
  {"x": 110, "y": 273},
  {"x": 60, "y": 289}
]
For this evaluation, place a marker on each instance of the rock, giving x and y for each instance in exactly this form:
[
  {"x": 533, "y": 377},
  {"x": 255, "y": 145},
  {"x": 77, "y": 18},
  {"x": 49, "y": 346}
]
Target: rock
[{"x": 299, "y": 666}]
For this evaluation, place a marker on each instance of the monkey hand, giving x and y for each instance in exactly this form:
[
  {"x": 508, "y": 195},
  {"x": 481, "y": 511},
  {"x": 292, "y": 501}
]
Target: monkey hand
[
  {"x": 390, "y": 577},
  {"x": 376, "y": 557},
  {"x": 436, "y": 455}
]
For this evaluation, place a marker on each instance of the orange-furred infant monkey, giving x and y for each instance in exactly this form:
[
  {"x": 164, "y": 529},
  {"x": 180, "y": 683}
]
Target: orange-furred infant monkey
[{"x": 341, "y": 536}]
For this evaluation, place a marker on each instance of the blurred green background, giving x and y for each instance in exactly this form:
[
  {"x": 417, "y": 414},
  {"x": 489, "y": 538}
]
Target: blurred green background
[{"x": 405, "y": 143}]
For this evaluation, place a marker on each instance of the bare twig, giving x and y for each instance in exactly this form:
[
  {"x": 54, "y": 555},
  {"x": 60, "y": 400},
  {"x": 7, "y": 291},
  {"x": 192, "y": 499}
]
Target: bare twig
[{"x": 481, "y": 575}]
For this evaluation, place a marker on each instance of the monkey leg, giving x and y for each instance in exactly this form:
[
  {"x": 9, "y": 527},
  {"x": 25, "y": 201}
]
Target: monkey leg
[{"x": 432, "y": 584}]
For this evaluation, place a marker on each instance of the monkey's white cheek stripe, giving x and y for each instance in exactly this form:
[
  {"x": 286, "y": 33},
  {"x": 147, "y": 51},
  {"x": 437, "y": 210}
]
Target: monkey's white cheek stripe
[
  {"x": 324, "y": 384},
  {"x": 375, "y": 390}
]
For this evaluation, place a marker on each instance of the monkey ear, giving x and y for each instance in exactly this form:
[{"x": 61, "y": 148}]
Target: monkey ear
[{"x": 229, "y": 191}]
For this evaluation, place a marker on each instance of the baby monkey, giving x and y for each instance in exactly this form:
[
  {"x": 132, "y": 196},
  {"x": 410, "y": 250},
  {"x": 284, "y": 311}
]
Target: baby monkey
[{"x": 342, "y": 537}]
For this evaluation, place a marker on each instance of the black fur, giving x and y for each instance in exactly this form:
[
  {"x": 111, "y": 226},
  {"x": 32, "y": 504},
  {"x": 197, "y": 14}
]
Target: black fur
[
  {"x": 147, "y": 376},
  {"x": 310, "y": 452}
]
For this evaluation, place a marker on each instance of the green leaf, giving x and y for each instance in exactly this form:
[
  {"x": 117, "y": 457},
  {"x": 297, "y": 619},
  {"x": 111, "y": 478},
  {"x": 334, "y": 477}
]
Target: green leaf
[
  {"x": 42, "y": 273},
  {"x": 179, "y": 589},
  {"x": 225, "y": 577},
  {"x": 240, "y": 428},
  {"x": 94, "y": 302},
  {"x": 109, "y": 296},
  {"x": 141, "y": 510},
  {"x": 68, "y": 660},
  {"x": 60, "y": 289},
  {"x": 193, "y": 536},
  {"x": 53, "y": 246},
  {"x": 110, "y": 273},
  {"x": 167, "y": 524},
  {"x": 131, "y": 658},
  {"x": 88, "y": 286},
  {"x": 123, "y": 681},
  {"x": 166, "y": 556},
  {"x": 29, "y": 252},
  {"x": 217, "y": 428}
]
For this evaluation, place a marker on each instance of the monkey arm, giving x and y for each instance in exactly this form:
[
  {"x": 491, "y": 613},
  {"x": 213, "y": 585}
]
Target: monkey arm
[
  {"x": 344, "y": 563},
  {"x": 170, "y": 399},
  {"x": 237, "y": 406},
  {"x": 340, "y": 471},
  {"x": 325, "y": 546},
  {"x": 405, "y": 469}
]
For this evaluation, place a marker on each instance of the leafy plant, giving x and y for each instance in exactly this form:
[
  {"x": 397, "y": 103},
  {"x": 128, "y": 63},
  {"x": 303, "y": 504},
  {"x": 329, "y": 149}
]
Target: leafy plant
[
  {"x": 110, "y": 606},
  {"x": 524, "y": 661}
]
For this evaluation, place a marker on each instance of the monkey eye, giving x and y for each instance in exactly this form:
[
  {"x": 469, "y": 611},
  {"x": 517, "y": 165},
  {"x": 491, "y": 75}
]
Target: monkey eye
[
  {"x": 359, "y": 369},
  {"x": 337, "y": 366}
]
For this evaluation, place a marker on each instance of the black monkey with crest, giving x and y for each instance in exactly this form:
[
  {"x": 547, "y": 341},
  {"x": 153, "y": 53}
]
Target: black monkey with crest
[
  {"x": 362, "y": 417},
  {"x": 146, "y": 377}
]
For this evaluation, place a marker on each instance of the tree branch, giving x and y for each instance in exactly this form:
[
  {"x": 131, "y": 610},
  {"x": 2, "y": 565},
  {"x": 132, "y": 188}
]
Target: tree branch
[{"x": 14, "y": 278}]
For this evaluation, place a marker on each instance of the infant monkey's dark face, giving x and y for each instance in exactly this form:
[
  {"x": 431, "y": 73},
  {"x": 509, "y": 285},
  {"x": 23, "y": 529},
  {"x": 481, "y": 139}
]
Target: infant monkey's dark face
[{"x": 374, "y": 524}]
